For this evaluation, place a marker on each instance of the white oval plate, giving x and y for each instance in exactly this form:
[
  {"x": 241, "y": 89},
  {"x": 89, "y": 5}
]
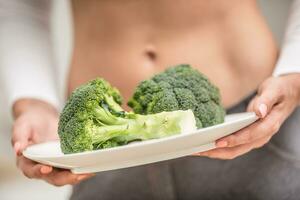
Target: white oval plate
[{"x": 138, "y": 153}]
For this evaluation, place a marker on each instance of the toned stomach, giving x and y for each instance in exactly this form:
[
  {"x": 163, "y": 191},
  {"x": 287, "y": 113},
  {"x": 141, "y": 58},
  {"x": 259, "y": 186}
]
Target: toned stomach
[{"x": 130, "y": 40}]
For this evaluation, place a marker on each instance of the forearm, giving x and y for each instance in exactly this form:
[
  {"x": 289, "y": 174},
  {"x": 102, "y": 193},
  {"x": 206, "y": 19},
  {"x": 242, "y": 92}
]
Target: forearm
[{"x": 21, "y": 106}]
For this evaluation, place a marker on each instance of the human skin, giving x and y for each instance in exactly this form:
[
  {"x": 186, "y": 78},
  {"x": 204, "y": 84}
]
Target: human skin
[
  {"x": 131, "y": 40},
  {"x": 276, "y": 99},
  {"x": 36, "y": 121},
  {"x": 128, "y": 41}
]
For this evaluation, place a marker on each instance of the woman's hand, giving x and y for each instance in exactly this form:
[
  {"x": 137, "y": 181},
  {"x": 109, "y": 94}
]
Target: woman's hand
[
  {"x": 276, "y": 99},
  {"x": 35, "y": 122}
]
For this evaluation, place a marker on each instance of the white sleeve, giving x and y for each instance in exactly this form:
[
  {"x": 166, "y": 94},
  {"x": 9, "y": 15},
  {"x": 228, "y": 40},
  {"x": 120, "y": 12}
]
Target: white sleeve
[
  {"x": 289, "y": 58},
  {"x": 26, "y": 69}
]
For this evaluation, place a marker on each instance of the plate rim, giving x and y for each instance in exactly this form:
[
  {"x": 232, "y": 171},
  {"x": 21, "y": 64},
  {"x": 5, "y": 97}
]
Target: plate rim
[{"x": 134, "y": 145}]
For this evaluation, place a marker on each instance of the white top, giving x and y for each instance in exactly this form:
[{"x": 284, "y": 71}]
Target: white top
[
  {"x": 289, "y": 59},
  {"x": 26, "y": 56},
  {"x": 26, "y": 62}
]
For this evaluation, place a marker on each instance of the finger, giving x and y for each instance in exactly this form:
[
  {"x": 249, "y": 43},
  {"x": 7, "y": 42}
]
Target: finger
[
  {"x": 264, "y": 102},
  {"x": 54, "y": 176},
  {"x": 20, "y": 137},
  {"x": 233, "y": 152},
  {"x": 262, "y": 128},
  {"x": 64, "y": 177},
  {"x": 32, "y": 169},
  {"x": 250, "y": 105}
]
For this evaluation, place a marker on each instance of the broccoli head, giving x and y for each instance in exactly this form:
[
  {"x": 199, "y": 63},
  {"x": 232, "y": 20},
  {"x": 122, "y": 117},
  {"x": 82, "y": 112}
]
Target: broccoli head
[
  {"x": 180, "y": 88},
  {"x": 93, "y": 119}
]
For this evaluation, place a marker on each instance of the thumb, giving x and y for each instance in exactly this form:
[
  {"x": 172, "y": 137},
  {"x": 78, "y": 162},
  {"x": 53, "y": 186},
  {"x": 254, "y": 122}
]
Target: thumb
[
  {"x": 21, "y": 136},
  {"x": 264, "y": 102}
]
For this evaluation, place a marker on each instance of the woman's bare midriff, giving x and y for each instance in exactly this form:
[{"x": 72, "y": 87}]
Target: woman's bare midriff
[{"x": 126, "y": 41}]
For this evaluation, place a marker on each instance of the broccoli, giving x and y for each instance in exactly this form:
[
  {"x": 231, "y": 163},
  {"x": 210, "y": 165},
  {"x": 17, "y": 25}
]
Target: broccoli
[
  {"x": 180, "y": 88},
  {"x": 93, "y": 119}
]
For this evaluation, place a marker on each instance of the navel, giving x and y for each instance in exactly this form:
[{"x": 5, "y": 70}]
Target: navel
[{"x": 151, "y": 53}]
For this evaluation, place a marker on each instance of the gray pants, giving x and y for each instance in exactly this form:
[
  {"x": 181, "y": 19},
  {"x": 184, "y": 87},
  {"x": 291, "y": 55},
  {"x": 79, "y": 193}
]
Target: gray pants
[{"x": 269, "y": 173}]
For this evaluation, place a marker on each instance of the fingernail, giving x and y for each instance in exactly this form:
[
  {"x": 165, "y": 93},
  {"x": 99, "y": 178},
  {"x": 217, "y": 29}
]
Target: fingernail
[
  {"x": 46, "y": 169},
  {"x": 82, "y": 177},
  {"x": 222, "y": 144},
  {"x": 17, "y": 148},
  {"x": 263, "y": 110}
]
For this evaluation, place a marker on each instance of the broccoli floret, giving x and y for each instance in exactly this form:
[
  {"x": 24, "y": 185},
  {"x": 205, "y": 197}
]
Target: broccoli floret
[
  {"x": 180, "y": 88},
  {"x": 93, "y": 119}
]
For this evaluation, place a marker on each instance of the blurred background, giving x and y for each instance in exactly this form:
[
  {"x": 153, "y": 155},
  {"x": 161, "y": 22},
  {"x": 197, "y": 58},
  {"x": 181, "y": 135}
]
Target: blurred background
[{"x": 13, "y": 185}]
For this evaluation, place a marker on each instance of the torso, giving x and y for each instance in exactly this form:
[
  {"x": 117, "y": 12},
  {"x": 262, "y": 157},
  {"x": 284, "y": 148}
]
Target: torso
[{"x": 126, "y": 41}]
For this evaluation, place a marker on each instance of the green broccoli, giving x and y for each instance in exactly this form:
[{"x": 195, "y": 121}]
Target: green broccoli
[
  {"x": 180, "y": 88},
  {"x": 93, "y": 119}
]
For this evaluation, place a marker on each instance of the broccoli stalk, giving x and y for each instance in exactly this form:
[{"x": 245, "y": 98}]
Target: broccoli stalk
[
  {"x": 110, "y": 130},
  {"x": 93, "y": 119}
]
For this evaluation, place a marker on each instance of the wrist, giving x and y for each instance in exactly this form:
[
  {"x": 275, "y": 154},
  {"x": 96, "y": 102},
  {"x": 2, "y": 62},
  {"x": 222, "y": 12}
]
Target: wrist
[
  {"x": 28, "y": 104},
  {"x": 294, "y": 83}
]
